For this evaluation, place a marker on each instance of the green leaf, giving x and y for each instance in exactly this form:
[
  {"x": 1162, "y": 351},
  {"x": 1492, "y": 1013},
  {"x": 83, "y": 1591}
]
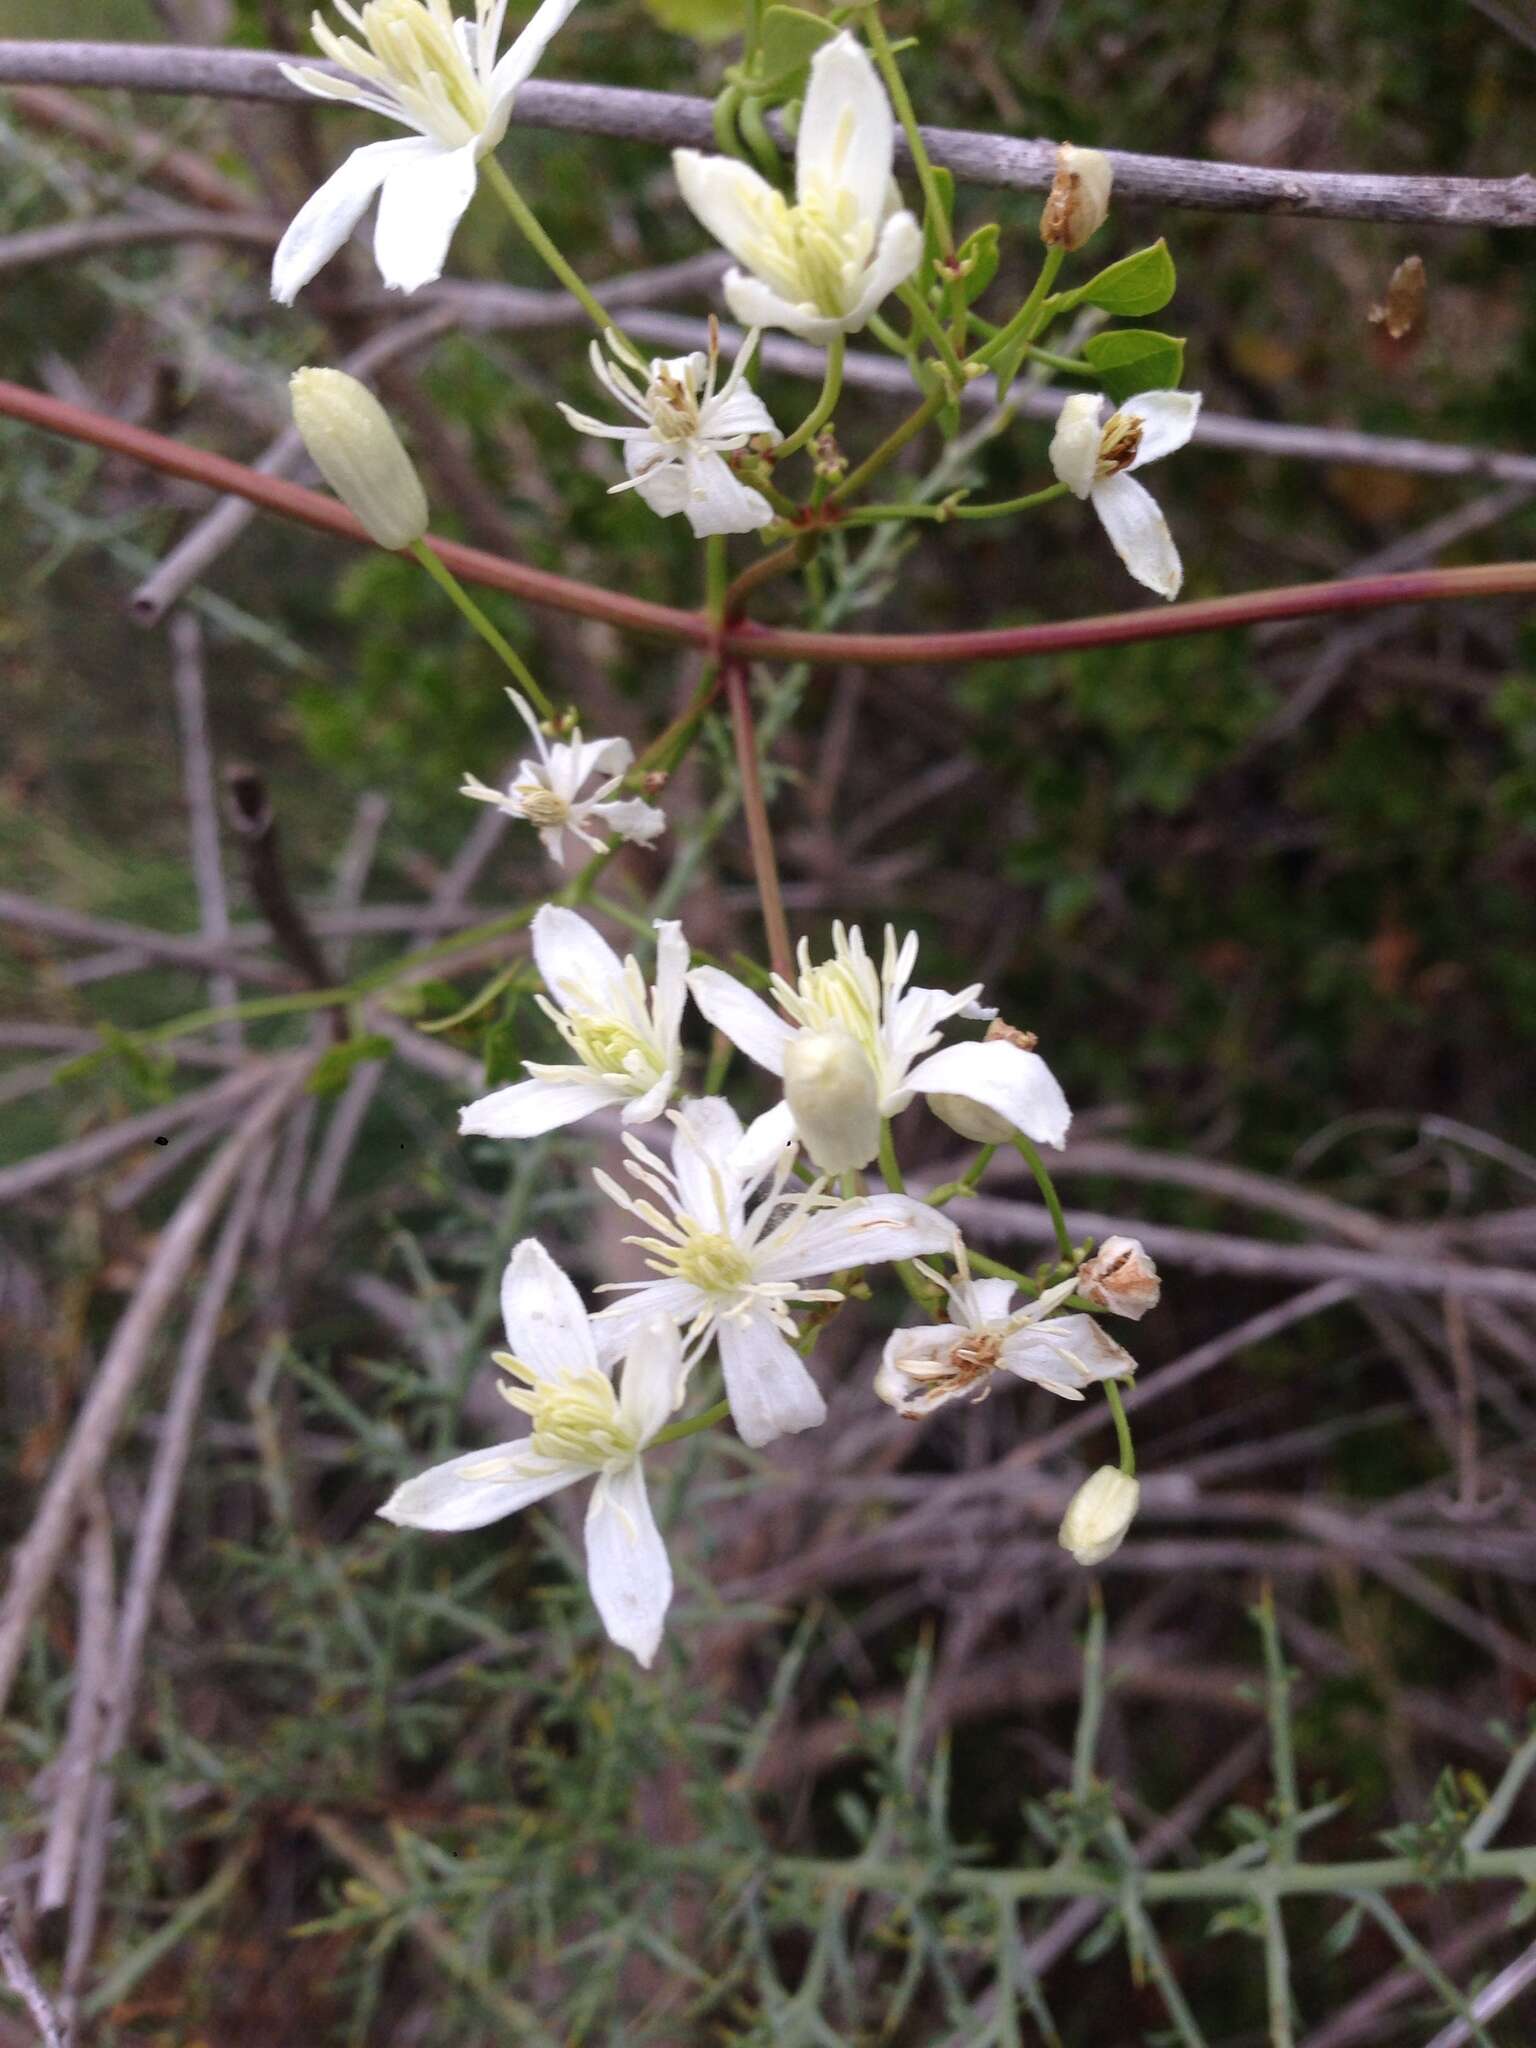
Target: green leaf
[
  {"x": 499, "y": 1047},
  {"x": 1133, "y": 287},
  {"x": 1136, "y": 359},
  {"x": 791, "y": 38},
  {"x": 944, "y": 181},
  {"x": 707, "y": 21},
  {"x": 335, "y": 1068},
  {"x": 981, "y": 253}
]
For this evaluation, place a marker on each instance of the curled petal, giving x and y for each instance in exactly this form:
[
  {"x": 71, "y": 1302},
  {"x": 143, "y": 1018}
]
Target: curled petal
[
  {"x": 896, "y": 256},
  {"x": 727, "y": 198},
  {"x": 1003, "y": 1077},
  {"x": 330, "y": 214},
  {"x": 744, "y": 1017},
  {"x": 1167, "y": 422}
]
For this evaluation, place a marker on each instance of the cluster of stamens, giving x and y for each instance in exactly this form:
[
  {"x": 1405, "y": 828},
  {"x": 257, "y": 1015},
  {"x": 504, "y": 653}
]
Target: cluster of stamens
[
  {"x": 410, "y": 56},
  {"x": 575, "y": 1414},
  {"x": 1119, "y": 444}
]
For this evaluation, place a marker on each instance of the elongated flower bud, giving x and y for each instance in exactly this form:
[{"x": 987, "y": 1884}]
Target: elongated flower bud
[
  {"x": 1077, "y": 204},
  {"x": 1121, "y": 1277},
  {"x": 829, "y": 1085},
  {"x": 972, "y": 1120},
  {"x": 1098, "y": 1515},
  {"x": 356, "y": 449}
]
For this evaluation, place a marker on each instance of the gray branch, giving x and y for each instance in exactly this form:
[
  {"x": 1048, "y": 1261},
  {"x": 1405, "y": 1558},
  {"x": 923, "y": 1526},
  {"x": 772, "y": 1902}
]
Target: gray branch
[{"x": 1014, "y": 162}]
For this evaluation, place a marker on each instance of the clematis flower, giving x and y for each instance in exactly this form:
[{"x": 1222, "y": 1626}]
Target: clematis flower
[
  {"x": 676, "y": 455},
  {"x": 1095, "y": 462},
  {"x": 823, "y": 265},
  {"x": 929, "y": 1365},
  {"x": 627, "y": 1041},
  {"x": 546, "y": 792},
  {"x": 894, "y": 1025},
  {"x": 583, "y": 1428},
  {"x": 419, "y": 66},
  {"x": 733, "y": 1274}
]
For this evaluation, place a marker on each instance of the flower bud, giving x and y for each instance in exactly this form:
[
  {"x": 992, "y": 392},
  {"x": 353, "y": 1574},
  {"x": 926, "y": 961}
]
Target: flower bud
[
  {"x": 1120, "y": 1277},
  {"x": 1098, "y": 1515},
  {"x": 356, "y": 449},
  {"x": 972, "y": 1120},
  {"x": 1077, "y": 204},
  {"x": 829, "y": 1085}
]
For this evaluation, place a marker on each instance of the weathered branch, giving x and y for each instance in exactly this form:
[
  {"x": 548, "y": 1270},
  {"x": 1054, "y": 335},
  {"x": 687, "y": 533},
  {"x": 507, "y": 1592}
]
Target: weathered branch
[
  {"x": 130, "y": 231},
  {"x": 1010, "y": 162}
]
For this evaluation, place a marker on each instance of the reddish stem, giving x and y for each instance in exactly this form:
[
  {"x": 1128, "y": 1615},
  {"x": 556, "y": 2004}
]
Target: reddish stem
[{"x": 770, "y": 643}]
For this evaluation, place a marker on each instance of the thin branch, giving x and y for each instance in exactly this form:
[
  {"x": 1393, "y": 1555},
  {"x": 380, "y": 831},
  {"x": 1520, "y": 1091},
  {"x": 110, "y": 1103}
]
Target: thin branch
[
  {"x": 72, "y": 1774},
  {"x": 1009, "y": 162},
  {"x": 71, "y": 239},
  {"x": 19, "y": 1975},
  {"x": 197, "y": 782},
  {"x": 174, "y": 950}
]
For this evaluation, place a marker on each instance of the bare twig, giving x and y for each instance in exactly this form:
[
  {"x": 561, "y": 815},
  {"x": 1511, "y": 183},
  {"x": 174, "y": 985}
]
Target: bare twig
[
  {"x": 1495, "y": 1997},
  {"x": 203, "y": 811},
  {"x": 253, "y": 817},
  {"x": 71, "y": 1776},
  {"x": 76, "y": 238},
  {"x": 20, "y": 1977},
  {"x": 672, "y": 118},
  {"x": 197, "y": 954}
]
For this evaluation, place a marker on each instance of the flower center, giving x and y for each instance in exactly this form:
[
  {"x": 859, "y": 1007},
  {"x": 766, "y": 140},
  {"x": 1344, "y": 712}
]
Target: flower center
[
  {"x": 1119, "y": 445},
  {"x": 541, "y": 806},
  {"x": 673, "y": 403},
  {"x": 705, "y": 1259},
  {"x": 842, "y": 994},
  {"x": 575, "y": 1417},
  {"x": 412, "y": 52},
  {"x": 610, "y": 1046},
  {"x": 814, "y": 251}
]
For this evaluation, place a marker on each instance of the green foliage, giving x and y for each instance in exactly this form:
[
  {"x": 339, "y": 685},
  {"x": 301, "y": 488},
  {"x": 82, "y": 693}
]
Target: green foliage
[
  {"x": 1132, "y": 360},
  {"x": 1132, "y": 288}
]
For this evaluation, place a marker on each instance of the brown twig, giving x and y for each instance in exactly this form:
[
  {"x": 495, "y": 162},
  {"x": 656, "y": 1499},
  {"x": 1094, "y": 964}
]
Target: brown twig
[{"x": 253, "y": 818}]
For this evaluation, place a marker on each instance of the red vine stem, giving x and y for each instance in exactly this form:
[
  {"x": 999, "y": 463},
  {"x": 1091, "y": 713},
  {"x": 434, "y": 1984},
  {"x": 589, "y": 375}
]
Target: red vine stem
[{"x": 772, "y": 643}]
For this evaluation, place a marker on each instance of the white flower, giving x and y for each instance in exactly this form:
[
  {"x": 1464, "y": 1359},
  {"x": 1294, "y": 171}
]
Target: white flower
[
  {"x": 927, "y": 1366},
  {"x": 545, "y": 792},
  {"x": 823, "y": 265},
  {"x": 676, "y": 455},
  {"x": 1098, "y": 1515},
  {"x": 1095, "y": 462},
  {"x": 829, "y": 1088},
  {"x": 418, "y": 66},
  {"x": 731, "y": 1274},
  {"x": 581, "y": 1429},
  {"x": 627, "y": 1042},
  {"x": 893, "y": 1025}
]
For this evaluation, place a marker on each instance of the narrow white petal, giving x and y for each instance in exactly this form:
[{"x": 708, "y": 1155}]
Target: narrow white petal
[
  {"x": 993, "y": 1299},
  {"x": 756, "y": 304},
  {"x": 627, "y": 1565},
  {"x": 576, "y": 963},
  {"x": 632, "y": 819},
  {"x": 1139, "y": 534},
  {"x": 329, "y": 215},
  {"x": 614, "y": 1327},
  {"x": 522, "y": 58},
  {"x": 477, "y": 1488},
  {"x": 420, "y": 206},
  {"x": 763, "y": 1145},
  {"x": 671, "y": 993},
  {"x": 530, "y": 1108},
  {"x": 770, "y": 1392},
  {"x": 1075, "y": 444},
  {"x": 858, "y": 1233},
  {"x": 728, "y": 199},
  {"x": 1068, "y": 1351},
  {"x": 847, "y": 136},
  {"x": 717, "y": 501},
  {"x": 1017, "y": 1084},
  {"x": 708, "y": 1133},
  {"x": 1167, "y": 422},
  {"x": 896, "y": 256},
  {"x": 547, "y": 1325},
  {"x": 651, "y": 1388},
  {"x": 744, "y": 1017},
  {"x": 736, "y": 416},
  {"x": 644, "y": 1109}
]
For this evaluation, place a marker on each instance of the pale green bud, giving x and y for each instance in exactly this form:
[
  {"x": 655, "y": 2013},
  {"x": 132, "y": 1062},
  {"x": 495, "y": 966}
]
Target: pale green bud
[
  {"x": 1098, "y": 1515},
  {"x": 355, "y": 448},
  {"x": 1078, "y": 202},
  {"x": 829, "y": 1085},
  {"x": 973, "y": 1120}
]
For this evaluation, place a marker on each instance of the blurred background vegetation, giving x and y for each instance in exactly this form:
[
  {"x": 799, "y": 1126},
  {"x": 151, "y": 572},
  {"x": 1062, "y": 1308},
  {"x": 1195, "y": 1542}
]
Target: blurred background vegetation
[{"x": 1267, "y": 899}]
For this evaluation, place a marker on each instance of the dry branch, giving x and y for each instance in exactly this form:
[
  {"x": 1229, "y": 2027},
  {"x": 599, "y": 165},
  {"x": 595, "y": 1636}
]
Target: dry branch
[
  {"x": 1008, "y": 162},
  {"x": 76, "y": 238}
]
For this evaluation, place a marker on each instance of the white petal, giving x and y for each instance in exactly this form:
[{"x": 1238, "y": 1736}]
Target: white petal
[
  {"x": 847, "y": 134},
  {"x": 727, "y": 198},
  {"x": 630, "y": 819},
  {"x": 575, "y": 962},
  {"x": 708, "y": 1132},
  {"x": 896, "y": 256},
  {"x": 657, "y": 476},
  {"x": 627, "y": 1566},
  {"x": 602, "y": 430},
  {"x": 763, "y": 1145},
  {"x": 744, "y": 1017},
  {"x": 770, "y": 1392},
  {"x": 644, "y": 1109},
  {"x": 480, "y": 1487},
  {"x": 614, "y": 1328},
  {"x": 1139, "y": 534},
  {"x": 1017, "y": 1084},
  {"x": 329, "y": 215},
  {"x": 548, "y": 1329},
  {"x": 717, "y": 500},
  {"x": 737, "y": 415},
  {"x": 857, "y": 1233},
  {"x": 651, "y": 1389},
  {"x": 671, "y": 988},
  {"x": 993, "y": 1298},
  {"x": 1075, "y": 444},
  {"x": 1167, "y": 422},
  {"x": 521, "y": 59},
  {"x": 530, "y": 1108},
  {"x": 756, "y": 304},
  {"x": 420, "y": 205},
  {"x": 1067, "y": 1352}
]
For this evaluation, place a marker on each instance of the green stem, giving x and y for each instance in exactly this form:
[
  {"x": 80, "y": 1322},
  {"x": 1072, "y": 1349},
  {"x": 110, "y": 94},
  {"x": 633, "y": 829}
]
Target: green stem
[
  {"x": 533, "y": 233},
  {"x": 446, "y": 581},
  {"x": 1005, "y": 507},
  {"x": 676, "y": 1431},
  {"x": 1052, "y": 1200},
  {"x": 968, "y": 1181},
  {"x": 1071, "y": 366},
  {"x": 1281, "y": 1742},
  {"x": 887, "y": 336},
  {"x": 926, "y": 320},
  {"x": 982, "y": 1262},
  {"x": 890, "y": 1166},
  {"x": 1022, "y": 326},
  {"x": 826, "y": 404},
  {"x": 1091, "y": 1699},
  {"x": 901, "y": 100},
  {"x": 1122, "y": 1429},
  {"x": 891, "y": 446},
  {"x": 723, "y": 118}
]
